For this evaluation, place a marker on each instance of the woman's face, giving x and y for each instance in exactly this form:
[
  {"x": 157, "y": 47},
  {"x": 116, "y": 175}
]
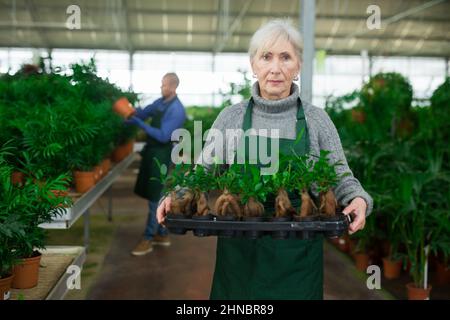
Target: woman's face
[{"x": 276, "y": 67}]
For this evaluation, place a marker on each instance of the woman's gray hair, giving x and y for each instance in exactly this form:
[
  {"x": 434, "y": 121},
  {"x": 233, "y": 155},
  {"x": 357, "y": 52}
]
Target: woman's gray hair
[{"x": 272, "y": 31}]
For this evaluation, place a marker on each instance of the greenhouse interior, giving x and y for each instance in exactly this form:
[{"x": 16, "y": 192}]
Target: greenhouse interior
[{"x": 224, "y": 150}]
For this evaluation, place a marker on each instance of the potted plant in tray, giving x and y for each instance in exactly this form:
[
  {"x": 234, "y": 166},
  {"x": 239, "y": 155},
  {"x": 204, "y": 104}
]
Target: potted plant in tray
[
  {"x": 228, "y": 205},
  {"x": 326, "y": 178},
  {"x": 302, "y": 182},
  {"x": 198, "y": 182},
  {"x": 253, "y": 191},
  {"x": 281, "y": 183},
  {"x": 182, "y": 199}
]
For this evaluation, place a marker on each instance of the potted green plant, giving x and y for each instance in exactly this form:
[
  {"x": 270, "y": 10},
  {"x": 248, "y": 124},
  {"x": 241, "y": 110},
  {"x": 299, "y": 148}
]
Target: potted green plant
[
  {"x": 228, "y": 206},
  {"x": 326, "y": 178},
  {"x": 364, "y": 241},
  {"x": 253, "y": 192},
  {"x": 23, "y": 208},
  {"x": 303, "y": 179},
  {"x": 415, "y": 211},
  {"x": 440, "y": 247},
  {"x": 281, "y": 183},
  {"x": 10, "y": 226},
  {"x": 34, "y": 203},
  {"x": 182, "y": 199}
]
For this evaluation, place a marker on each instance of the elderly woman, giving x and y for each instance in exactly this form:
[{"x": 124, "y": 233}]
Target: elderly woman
[{"x": 293, "y": 268}]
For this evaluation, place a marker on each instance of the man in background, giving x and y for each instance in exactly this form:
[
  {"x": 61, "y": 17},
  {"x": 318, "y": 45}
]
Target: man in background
[{"x": 167, "y": 114}]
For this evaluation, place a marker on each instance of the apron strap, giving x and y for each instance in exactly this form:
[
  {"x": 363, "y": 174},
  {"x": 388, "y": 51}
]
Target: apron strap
[{"x": 300, "y": 122}]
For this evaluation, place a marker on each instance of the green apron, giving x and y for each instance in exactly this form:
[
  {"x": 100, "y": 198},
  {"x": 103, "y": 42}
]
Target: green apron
[
  {"x": 145, "y": 186},
  {"x": 265, "y": 268}
]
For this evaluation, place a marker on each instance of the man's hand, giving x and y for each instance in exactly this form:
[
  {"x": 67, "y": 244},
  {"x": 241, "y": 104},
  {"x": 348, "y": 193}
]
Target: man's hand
[
  {"x": 356, "y": 208},
  {"x": 134, "y": 121},
  {"x": 163, "y": 209}
]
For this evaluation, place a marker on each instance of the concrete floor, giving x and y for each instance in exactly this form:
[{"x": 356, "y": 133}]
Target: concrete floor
[{"x": 185, "y": 269}]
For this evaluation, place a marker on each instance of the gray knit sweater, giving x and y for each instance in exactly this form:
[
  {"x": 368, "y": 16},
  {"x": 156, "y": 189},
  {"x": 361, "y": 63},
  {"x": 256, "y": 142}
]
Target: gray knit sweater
[{"x": 281, "y": 115}]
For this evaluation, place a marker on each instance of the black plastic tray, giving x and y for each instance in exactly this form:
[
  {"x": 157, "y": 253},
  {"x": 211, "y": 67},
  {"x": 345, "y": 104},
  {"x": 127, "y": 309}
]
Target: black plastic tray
[{"x": 212, "y": 225}]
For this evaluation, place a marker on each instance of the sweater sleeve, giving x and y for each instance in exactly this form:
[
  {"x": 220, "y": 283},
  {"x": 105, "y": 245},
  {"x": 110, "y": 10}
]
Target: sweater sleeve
[{"x": 348, "y": 187}]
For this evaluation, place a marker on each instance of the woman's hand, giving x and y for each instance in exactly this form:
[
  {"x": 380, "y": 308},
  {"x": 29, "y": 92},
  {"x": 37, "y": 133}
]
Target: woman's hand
[
  {"x": 357, "y": 208},
  {"x": 163, "y": 209}
]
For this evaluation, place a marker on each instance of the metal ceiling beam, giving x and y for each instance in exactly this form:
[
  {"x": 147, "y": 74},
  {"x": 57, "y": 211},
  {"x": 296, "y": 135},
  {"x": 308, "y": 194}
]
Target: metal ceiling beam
[
  {"x": 236, "y": 23},
  {"x": 132, "y": 32},
  {"x": 253, "y": 14},
  {"x": 126, "y": 22},
  {"x": 244, "y": 50},
  {"x": 222, "y": 22},
  {"x": 400, "y": 16},
  {"x": 307, "y": 28},
  {"x": 41, "y": 33}
]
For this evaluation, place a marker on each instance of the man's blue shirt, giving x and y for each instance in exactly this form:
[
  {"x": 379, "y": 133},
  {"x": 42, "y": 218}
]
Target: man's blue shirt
[{"x": 173, "y": 118}]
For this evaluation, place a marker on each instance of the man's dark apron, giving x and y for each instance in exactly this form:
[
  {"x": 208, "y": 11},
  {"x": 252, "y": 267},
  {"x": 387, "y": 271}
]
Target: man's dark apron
[
  {"x": 145, "y": 186},
  {"x": 266, "y": 268}
]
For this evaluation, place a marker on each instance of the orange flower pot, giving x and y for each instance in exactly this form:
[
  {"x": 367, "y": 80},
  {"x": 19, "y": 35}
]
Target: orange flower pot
[
  {"x": 17, "y": 177},
  {"x": 442, "y": 274},
  {"x": 84, "y": 181},
  {"x": 358, "y": 116},
  {"x": 362, "y": 261},
  {"x": 26, "y": 274},
  {"x": 415, "y": 293},
  {"x": 124, "y": 108},
  {"x": 122, "y": 151},
  {"x": 5, "y": 287},
  {"x": 98, "y": 173},
  {"x": 391, "y": 269},
  {"x": 106, "y": 166}
]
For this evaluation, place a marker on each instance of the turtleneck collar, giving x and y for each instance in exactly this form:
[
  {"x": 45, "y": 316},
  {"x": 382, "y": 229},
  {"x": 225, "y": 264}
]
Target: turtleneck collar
[{"x": 275, "y": 106}]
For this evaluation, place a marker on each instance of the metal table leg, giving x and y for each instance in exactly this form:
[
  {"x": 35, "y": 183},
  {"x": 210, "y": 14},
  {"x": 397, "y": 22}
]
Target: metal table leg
[
  {"x": 86, "y": 229},
  {"x": 109, "y": 204}
]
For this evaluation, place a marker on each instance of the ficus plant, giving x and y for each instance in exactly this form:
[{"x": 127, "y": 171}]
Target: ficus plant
[
  {"x": 281, "y": 183},
  {"x": 302, "y": 182},
  {"x": 326, "y": 178},
  {"x": 174, "y": 182},
  {"x": 229, "y": 203},
  {"x": 200, "y": 181},
  {"x": 254, "y": 190}
]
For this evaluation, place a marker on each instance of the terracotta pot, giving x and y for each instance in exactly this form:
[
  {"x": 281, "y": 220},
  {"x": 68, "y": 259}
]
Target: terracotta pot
[
  {"x": 106, "y": 166},
  {"x": 98, "y": 173},
  {"x": 335, "y": 241},
  {"x": 60, "y": 193},
  {"x": 84, "y": 181},
  {"x": 352, "y": 246},
  {"x": 385, "y": 248},
  {"x": 391, "y": 269},
  {"x": 415, "y": 293},
  {"x": 122, "y": 151},
  {"x": 124, "y": 108},
  {"x": 442, "y": 274},
  {"x": 17, "y": 177},
  {"x": 5, "y": 287},
  {"x": 344, "y": 243},
  {"x": 26, "y": 274},
  {"x": 362, "y": 261},
  {"x": 358, "y": 116}
]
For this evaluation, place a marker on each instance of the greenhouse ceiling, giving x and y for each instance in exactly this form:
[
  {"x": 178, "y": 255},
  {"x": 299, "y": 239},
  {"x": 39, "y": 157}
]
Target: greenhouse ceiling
[{"x": 408, "y": 27}]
